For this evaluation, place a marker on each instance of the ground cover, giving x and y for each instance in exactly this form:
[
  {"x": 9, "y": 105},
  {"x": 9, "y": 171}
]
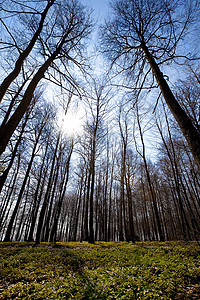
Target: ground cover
[{"x": 150, "y": 270}]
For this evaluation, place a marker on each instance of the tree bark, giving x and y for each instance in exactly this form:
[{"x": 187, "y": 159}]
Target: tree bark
[
  {"x": 47, "y": 194},
  {"x": 60, "y": 201},
  {"x": 14, "y": 152},
  {"x": 11, "y": 125},
  {"x": 36, "y": 199},
  {"x": 190, "y": 133},
  {"x": 18, "y": 65},
  {"x": 14, "y": 213}
]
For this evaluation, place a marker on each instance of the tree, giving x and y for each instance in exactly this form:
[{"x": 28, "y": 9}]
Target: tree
[
  {"x": 25, "y": 52},
  {"x": 37, "y": 133},
  {"x": 63, "y": 186},
  {"x": 91, "y": 145},
  {"x": 62, "y": 40},
  {"x": 125, "y": 181},
  {"x": 158, "y": 223},
  {"x": 144, "y": 35}
]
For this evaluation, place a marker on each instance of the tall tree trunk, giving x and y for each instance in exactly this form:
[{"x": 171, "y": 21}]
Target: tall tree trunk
[
  {"x": 8, "y": 196},
  {"x": 14, "y": 152},
  {"x": 36, "y": 199},
  {"x": 11, "y": 105},
  {"x": 11, "y": 125},
  {"x": 172, "y": 158},
  {"x": 61, "y": 197},
  {"x": 47, "y": 195},
  {"x": 152, "y": 193},
  {"x": 79, "y": 200},
  {"x": 46, "y": 230},
  {"x": 11, "y": 222},
  {"x": 91, "y": 216},
  {"x": 86, "y": 232},
  {"x": 110, "y": 202},
  {"x": 22, "y": 216},
  {"x": 84, "y": 208},
  {"x": 18, "y": 65},
  {"x": 131, "y": 230},
  {"x": 190, "y": 133}
]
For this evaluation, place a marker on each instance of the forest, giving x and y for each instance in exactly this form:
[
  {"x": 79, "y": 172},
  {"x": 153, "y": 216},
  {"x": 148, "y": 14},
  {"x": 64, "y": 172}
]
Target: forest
[{"x": 100, "y": 121}]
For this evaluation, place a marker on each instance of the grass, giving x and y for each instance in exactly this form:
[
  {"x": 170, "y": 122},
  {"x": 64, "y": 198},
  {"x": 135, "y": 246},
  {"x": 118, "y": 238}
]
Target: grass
[{"x": 112, "y": 270}]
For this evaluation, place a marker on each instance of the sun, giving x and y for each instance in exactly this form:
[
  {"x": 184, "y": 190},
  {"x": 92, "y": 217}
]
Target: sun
[{"x": 71, "y": 123}]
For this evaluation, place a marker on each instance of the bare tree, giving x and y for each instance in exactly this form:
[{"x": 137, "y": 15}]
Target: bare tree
[
  {"x": 24, "y": 52},
  {"x": 144, "y": 35},
  {"x": 157, "y": 219},
  {"x": 38, "y": 132},
  {"x": 61, "y": 41}
]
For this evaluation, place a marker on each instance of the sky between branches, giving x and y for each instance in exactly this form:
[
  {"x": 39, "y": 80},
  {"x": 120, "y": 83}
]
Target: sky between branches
[{"x": 100, "y": 7}]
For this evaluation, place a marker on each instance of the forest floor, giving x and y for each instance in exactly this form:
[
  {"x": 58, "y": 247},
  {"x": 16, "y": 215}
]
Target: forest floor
[{"x": 114, "y": 270}]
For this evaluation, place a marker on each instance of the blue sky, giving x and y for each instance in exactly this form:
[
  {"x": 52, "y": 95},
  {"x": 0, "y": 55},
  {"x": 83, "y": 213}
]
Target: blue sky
[{"x": 100, "y": 7}]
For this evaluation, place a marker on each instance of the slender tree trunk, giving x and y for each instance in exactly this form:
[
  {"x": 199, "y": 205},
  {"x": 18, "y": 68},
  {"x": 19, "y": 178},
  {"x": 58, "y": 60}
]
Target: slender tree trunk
[
  {"x": 36, "y": 199},
  {"x": 47, "y": 195},
  {"x": 155, "y": 208},
  {"x": 131, "y": 230},
  {"x": 91, "y": 216},
  {"x": 110, "y": 202},
  {"x": 11, "y": 222},
  {"x": 5, "y": 207},
  {"x": 60, "y": 201},
  {"x": 22, "y": 216},
  {"x": 86, "y": 232},
  {"x": 120, "y": 220},
  {"x": 84, "y": 209},
  {"x": 79, "y": 199},
  {"x": 172, "y": 158},
  {"x": 46, "y": 230}
]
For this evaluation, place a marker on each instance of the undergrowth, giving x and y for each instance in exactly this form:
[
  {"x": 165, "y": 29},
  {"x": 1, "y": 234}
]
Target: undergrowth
[{"x": 150, "y": 270}]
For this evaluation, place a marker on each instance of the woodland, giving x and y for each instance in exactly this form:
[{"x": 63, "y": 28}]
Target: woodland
[{"x": 100, "y": 122}]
